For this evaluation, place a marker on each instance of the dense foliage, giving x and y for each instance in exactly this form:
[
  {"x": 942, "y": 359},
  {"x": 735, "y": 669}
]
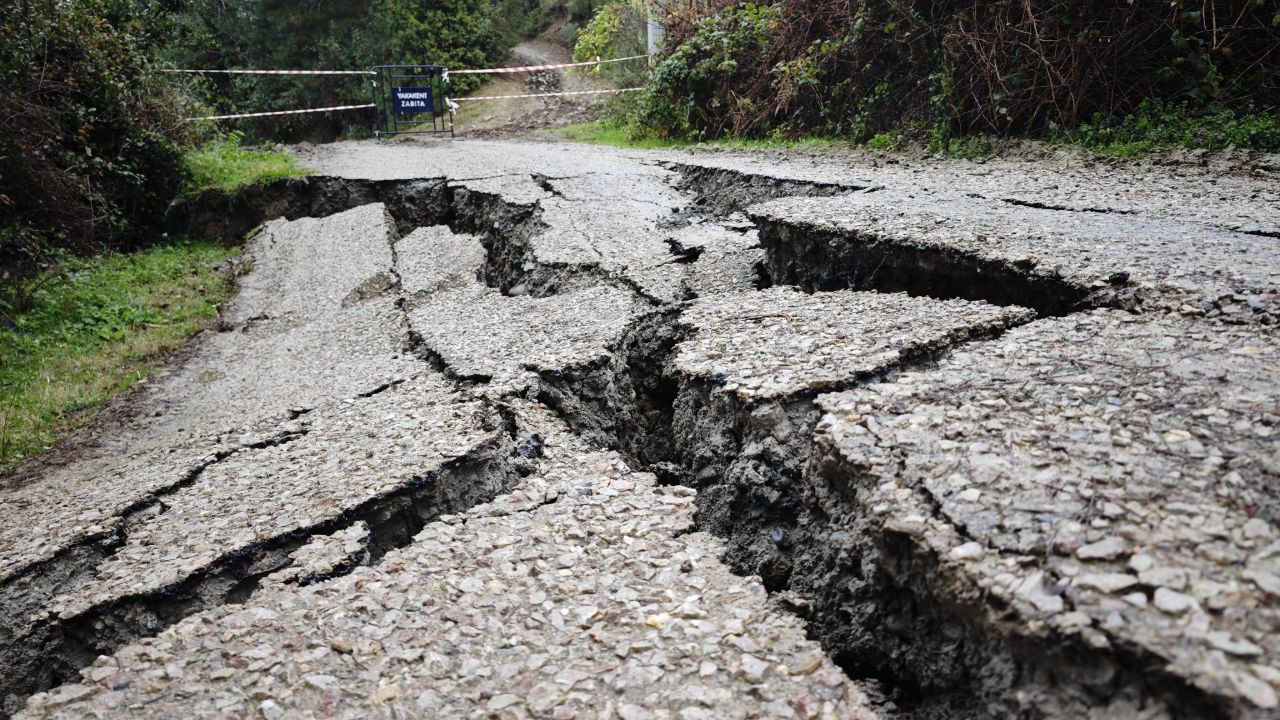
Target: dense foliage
[
  {"x": 858, "y": 67},
  {"x": 88, "y": 132}
]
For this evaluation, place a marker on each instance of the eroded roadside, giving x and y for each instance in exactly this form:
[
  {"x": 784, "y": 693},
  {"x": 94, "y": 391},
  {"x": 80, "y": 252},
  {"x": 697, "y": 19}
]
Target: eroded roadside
[{"x": 949, "y": 433}]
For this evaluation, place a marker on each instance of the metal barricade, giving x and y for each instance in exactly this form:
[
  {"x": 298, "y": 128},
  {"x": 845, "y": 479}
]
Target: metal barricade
[{"x": 411, "y": 100}]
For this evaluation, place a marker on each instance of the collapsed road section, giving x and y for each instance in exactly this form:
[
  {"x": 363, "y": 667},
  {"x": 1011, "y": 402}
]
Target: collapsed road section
[{"x": 489, "y": 427}]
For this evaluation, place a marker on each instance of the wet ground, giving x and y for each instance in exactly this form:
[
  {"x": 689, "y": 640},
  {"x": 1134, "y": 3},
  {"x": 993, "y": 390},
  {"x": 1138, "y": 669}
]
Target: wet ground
[{"x": 503, "y": 429}]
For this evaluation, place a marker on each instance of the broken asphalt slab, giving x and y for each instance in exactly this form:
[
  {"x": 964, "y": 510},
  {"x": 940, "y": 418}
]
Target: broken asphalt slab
[{"x": 511, "y": 335}]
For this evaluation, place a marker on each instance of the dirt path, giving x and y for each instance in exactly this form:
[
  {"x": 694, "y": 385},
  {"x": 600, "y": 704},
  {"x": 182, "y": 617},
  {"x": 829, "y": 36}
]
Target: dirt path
[
  {"x": 498, "y": 118},
  {"x": 499, "y": 429}
]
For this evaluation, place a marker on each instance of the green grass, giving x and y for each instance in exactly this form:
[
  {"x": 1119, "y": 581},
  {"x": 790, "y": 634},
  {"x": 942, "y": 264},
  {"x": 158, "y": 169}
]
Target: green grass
[
  {"x": 226, "y": 165},
  {"x": 95, "y": 329},
  {"x": 1158, "y": 127},
  {"x": 1151, "y": 128},
  {"x": 607, "y": 132}
]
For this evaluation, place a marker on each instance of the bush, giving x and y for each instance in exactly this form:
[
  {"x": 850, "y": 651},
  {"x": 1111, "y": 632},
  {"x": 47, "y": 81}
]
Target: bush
[
  {"x": 1022, "y": 67},
  {"x": 710, "y": 84},
  {"x": 855, "y": 68},
  {"x": 88, "y": 133},
  {"x": 618, "y": 29}
]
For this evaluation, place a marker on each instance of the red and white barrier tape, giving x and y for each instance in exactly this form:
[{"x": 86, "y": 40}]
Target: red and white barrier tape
[
  {"x": 536, "y": 68},
  {"x": 276, "y": 72},
  {"x": 538, "y": 95},
  {"x": 283, "y": 112}
]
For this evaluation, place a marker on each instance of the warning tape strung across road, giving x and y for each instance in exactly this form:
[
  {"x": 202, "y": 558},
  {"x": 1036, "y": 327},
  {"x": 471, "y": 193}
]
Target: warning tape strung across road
[
  {"x": 554, "y": 94},
  {"x": 535, "y": 68},
  {"x": 283, "y": 112},
  {"x": 485, "y": 71},
  {"x": 276, "y": 72}
]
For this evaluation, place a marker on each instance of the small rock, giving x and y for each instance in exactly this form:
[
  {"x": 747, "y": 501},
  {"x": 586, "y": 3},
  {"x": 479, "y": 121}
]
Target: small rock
[
  {"x": 1141, "y": 562},
  {"x": 1170, "y": 577},
  {"x": 1106, "y": 582},
  {"x": 271, "y": 709},
  {"x": 385, "y": 693},
  {"x": 1256, "y": 691},
  {"x": 1108, "y": 548},
  {"x": 1265, "y": 581},
  {"x": 498, "y": 702},
  {"x": 1257, "y": 528},
  {"x": 1136, "y": 599},
  {"x": 1173, "y": 602},
  {"x": 1224, "y": 642},
  {"x": 633, "y": 712},
  {"x": 753, "y": 669},
  {"x": 968, "y": 551},
  {"x": 657, "y": 621}
]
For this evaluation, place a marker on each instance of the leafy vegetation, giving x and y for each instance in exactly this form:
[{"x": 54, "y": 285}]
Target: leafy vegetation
[
  {"x": 942, "y": 72},
  {"x": 95, "y": 329},
  {"x": 89, "y": 133},
  {"x": 609, "y": 131},
  {"x": 1155, "y": 126},
  {"x": 618, "y": 29},
  {"x": 225, "y": 164}
]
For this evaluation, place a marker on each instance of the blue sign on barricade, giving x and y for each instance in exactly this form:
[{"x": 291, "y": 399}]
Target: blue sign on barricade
[
  {"x": 411, "y": 100},
  {"x": 407, "y": 100}
]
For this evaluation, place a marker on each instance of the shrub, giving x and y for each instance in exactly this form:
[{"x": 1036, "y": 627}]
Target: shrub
[
  {"x": 853, "y": 68},
  {"x": 1155, "y": 125},
  {"x": 616, "y": 30},
  {"x": 88, "y": 133}
]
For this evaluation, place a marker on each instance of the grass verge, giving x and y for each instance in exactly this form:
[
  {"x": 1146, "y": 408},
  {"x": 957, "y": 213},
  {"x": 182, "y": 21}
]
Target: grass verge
[
  {"x": 226, "y": 165},
  {"x": 98, "y": 327},
  {"x": 1158, "y": 127},
  {"x": 608, "y": 132},
  {"x": 1152, "y": 128}
]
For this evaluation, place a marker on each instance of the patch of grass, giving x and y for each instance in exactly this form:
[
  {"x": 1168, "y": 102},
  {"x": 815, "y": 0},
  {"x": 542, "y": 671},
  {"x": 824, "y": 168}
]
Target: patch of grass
[
  {"x": 606, "y": 132},
  {"x": 1155, "y": 127},
  {"x": 609, "y": 132},
  {"x": 98, "y": 327},
  {"x": 883, "y": 141},
  {"x": 226, "y": 165}
]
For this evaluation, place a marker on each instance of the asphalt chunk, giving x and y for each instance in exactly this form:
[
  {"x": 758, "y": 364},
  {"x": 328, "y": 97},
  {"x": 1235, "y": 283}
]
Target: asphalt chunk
[
  {"x": 781, "y": 342},
  {"x": 594, "y": 603},
  {"x": 981, "y": 249},
  {"x": 1106, "y": 481}
]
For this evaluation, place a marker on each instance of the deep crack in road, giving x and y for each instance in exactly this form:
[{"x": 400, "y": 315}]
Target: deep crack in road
[{"x": 628, "y": 434}]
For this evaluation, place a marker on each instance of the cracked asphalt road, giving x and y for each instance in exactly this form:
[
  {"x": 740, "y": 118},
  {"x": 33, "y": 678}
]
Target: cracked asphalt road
[{"x": 532, "y": 430}]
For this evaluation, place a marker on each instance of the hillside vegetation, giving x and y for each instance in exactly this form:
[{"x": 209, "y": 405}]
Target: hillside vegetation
[{"x": 1203, "y": 74}]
